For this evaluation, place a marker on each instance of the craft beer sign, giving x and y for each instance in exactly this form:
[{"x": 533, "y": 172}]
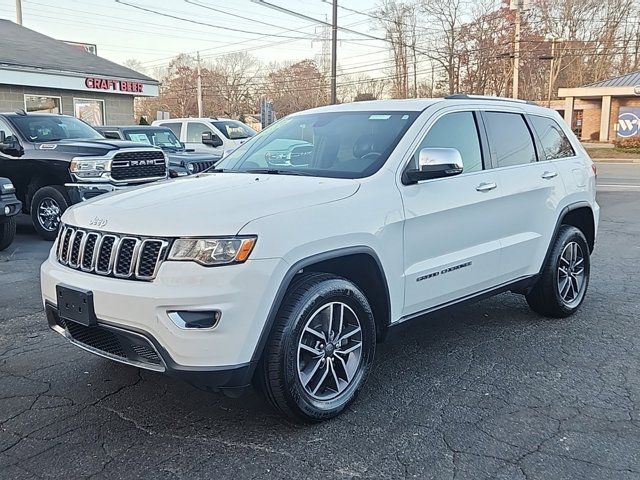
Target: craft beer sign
[{"x": 106, "y": 84}]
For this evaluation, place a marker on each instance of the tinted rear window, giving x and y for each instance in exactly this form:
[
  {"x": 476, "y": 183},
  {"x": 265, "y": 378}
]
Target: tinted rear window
[
  {"x": 555, "y": 143},
  {"x": 509, "y": 139}
]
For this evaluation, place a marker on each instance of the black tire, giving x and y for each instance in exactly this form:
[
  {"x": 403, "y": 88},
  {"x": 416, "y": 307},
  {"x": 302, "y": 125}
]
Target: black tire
[
  {"x": 546, "y": 297},
  {"x": 278, "y": 378},
  {"x": 7, "y": 232},
  {"x": 53, "y": 193}
]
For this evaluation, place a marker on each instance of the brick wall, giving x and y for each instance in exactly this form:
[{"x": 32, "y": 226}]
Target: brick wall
[{"x": 118, "y": 109}]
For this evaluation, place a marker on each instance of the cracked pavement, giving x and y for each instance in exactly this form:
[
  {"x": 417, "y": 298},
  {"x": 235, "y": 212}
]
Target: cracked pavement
[{"x": 488, "y": 390}]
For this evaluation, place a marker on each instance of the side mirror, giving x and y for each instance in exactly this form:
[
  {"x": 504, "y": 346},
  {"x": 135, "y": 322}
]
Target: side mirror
[
  {"x": 111, "y": 134},
  {"x": 10, "y": 146},
  {"x": 211, "y": 139},
  {"x": 434, "y": 163}
]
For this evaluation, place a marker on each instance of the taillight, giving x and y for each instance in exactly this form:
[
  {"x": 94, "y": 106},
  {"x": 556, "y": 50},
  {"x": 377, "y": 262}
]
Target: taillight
[{"x": 594, "y": 168}]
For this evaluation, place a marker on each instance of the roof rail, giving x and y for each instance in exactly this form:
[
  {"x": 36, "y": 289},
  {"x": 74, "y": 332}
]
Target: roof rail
[{"x": 464, "y": 96}]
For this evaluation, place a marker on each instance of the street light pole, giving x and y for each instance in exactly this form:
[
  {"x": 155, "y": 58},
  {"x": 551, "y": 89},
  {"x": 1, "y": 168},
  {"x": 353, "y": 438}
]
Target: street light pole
[
  {"x": 516, "y": 53},
  {"x": 551, "y": 66},
  {"x": 334, "y": 53},
  {"x": 19, "y": 12}
]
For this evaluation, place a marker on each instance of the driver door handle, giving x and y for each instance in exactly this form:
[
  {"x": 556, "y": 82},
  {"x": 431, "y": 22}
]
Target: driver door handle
[
  {"x": 548, "y": 175},
  {"x": 485, "y": 187}
]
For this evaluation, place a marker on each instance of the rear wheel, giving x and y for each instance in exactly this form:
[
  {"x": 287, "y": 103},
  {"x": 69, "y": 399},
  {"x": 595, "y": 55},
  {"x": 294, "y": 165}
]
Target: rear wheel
[
  {"x": 7, "y": 232},
  {"x": 563, "y": 284},
  {"x": 47, "y": 206},
  {"x": 320, "y": 350}
]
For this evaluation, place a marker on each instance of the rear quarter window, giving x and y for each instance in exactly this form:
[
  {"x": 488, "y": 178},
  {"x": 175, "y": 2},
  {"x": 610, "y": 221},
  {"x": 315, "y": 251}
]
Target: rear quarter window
[{"x": 555, "y": 143}]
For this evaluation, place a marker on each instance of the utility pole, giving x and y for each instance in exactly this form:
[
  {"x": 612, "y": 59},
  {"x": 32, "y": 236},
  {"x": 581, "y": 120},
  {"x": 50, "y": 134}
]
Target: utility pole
[
  {"x": 551, "y": 67},
  {"x": 200, "y": 114},
  {"x": 516, "y": 52},
  {"x": 334, "y": 53},
  {"x": 19, "y": 12}
]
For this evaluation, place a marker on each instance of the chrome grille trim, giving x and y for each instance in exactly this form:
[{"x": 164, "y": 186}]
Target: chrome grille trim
[{"x": 114, "y": 255}]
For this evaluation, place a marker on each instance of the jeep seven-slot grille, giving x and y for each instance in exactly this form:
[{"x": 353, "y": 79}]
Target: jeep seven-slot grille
[
  {"x": 138, "y": 165},
  {"x": 108, "y": 254},
  {"x": 202, "y": 166}
]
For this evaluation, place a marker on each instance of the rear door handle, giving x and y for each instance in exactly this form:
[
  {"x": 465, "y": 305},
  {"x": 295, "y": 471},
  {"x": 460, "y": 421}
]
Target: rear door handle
[
  {"x": 485, "y": 187},
  {"x": 548, "y": 175}
]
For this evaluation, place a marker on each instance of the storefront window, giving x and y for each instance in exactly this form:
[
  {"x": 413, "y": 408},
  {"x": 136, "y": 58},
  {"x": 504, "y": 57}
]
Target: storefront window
[
  {"x": 91, "y": 111},
  {"x": 41, "y": 104}
]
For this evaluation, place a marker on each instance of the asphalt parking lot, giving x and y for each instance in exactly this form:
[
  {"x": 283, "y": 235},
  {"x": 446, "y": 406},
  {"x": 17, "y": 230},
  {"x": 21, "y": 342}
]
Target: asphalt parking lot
[{"x": 490, "y": 390}]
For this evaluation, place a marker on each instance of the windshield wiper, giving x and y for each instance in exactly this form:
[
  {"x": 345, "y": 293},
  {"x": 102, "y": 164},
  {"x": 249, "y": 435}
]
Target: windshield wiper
[{"x": 275, "y": 171}]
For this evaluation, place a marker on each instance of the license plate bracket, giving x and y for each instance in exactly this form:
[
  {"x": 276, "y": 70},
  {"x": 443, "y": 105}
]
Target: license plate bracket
[{"x": 76, "y": 305}]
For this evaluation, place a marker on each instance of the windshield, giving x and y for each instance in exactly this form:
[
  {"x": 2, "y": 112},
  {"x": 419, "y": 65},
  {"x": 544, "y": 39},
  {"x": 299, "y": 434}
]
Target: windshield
[
  {"x": 44, "y": 128},
  {"x": 233, "y": 129},
  {"x": 159, "y": 137},
  {"x": 336, "y": 144}
]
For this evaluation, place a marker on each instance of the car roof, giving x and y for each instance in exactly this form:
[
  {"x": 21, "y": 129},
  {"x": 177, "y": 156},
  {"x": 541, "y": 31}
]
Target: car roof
[
  {"x": 21, "y": 114},
  {"x": 203, "y": 119},
  {"x": 137, "y": 127}
]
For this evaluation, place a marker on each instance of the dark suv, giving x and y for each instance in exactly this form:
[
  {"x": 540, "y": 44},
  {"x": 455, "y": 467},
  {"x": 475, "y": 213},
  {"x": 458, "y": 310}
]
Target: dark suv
[{"x": 55, "y": 161}]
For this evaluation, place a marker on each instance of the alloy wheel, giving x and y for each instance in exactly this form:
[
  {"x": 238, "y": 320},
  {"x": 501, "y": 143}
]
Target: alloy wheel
[
  {"x": 329, "y": 351},
  {"x": 49, "y": 214},
  {"x": 571, "y": 274}
]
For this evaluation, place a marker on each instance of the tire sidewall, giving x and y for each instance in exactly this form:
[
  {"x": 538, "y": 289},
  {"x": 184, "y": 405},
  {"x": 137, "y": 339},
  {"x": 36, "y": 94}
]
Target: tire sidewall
[
  {"x": 568, "y": 235},
  {"x": 335, "y": 290},
  {"x": 7, "y": 232},
  {"x": 48, "y": 192}
]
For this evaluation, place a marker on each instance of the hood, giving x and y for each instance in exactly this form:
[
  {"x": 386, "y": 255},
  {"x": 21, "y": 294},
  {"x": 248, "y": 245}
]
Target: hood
[
  {"x": 205, "y": 205},
  {"x": 97, "y": 147}
]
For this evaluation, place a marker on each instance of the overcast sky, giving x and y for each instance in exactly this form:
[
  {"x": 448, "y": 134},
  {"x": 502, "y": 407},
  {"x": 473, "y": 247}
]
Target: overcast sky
[{"x": 122, "y": 32}]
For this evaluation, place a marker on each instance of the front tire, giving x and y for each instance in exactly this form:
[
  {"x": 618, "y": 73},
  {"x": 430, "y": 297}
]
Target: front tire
[
  {"x": 47, "y": 206},
  {"x": 561, "y": 288},
  {"x": 7, "y": 232},
  {"x": 320, "y": 350}
]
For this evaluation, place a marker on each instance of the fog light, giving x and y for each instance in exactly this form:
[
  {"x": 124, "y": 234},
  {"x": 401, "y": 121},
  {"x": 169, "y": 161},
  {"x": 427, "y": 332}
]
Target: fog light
[
  {"x": 7, "y": 210},
  {"x": 195, "y": 320}
]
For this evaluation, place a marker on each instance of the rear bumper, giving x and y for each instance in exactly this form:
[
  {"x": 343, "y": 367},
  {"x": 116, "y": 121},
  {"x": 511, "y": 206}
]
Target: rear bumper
[{"x": 139, "y": 349}]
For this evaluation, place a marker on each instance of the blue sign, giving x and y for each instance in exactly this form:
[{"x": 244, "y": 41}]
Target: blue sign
[{"x": 628, "y": 122}]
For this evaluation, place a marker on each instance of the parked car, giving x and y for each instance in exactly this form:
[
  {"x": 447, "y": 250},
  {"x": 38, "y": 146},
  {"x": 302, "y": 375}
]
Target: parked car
[
  {"x": 182, "y": 161},
  {"x": 206, "y": 135},
  {"x": 400, "y": 209},
  {"x": 55, "y": 161},
  {"x": 10, "y": 206}
]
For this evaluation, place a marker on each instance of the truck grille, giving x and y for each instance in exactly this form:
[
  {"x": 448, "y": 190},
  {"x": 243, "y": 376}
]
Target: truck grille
[
  {"x": 112, "y": 255},
  {"x": 137, "y": 165}
]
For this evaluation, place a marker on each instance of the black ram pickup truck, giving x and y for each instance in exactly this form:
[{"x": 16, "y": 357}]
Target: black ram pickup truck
[
  {"x": 55, "y": 161},
  {"x": 9, "y": 208},
  {"x": 182, "y": 161}
]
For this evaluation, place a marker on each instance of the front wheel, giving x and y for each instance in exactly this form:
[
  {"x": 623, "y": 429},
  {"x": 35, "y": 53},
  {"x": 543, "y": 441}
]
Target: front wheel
[
  {"x": 47, "y": 206},
  {"x": 7, "y": 232},
  {"x": 320, "y": 350},
  {"x": 563, "y": 283}
]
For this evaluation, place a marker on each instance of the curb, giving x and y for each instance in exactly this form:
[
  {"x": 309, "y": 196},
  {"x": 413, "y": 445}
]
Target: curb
[{"x": 616, "y": 160}]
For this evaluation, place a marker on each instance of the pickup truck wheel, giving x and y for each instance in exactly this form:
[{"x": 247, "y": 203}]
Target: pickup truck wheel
[
  {"x": 7, "y": 232},
  {"x": 565, "y": 277},
  {"x": 320, "y": 350},
  {"x": 47, "y": 206}
]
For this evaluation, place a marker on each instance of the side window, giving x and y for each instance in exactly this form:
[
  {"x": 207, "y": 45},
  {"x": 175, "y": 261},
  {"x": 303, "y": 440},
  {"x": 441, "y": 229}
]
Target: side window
[
  {"x": 7, "y": 131},
  {"x": 456, "y": 130},
  {"x": 195, "y": 131},
  {"x": 175, "y": 127},
  {"x": 509, "y": 139},
  {"x": 554, "y": 142}
]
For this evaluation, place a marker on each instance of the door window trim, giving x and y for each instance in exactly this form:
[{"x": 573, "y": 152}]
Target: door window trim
[{"x": 484, "y": 152}]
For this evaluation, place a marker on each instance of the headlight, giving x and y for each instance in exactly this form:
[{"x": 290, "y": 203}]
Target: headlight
[
  {"x": 88, "y": 168},
  {"x": 191, "y": 167},
  {"x": 7, "y": 188},
  {"x": 212, "y": 251}
]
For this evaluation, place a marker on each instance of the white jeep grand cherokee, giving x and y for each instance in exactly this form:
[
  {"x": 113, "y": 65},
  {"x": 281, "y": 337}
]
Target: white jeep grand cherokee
[{"x": 311, "y": 242}]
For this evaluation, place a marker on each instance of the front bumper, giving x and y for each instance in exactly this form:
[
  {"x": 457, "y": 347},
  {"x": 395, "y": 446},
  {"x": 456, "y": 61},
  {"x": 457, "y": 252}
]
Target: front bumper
[
  {"x": 222, "y": 355},
  {"x": 79, "y": 192}
]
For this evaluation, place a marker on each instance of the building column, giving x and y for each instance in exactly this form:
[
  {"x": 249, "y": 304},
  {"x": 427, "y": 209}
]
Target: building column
[
  {"x": 605, "y": 118},
  {"x": 568, "y": 111}
]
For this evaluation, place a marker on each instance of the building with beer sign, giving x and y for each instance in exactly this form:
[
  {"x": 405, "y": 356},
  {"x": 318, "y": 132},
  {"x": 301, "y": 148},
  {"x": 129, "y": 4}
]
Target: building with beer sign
[{"x": 41, "y": 74}]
